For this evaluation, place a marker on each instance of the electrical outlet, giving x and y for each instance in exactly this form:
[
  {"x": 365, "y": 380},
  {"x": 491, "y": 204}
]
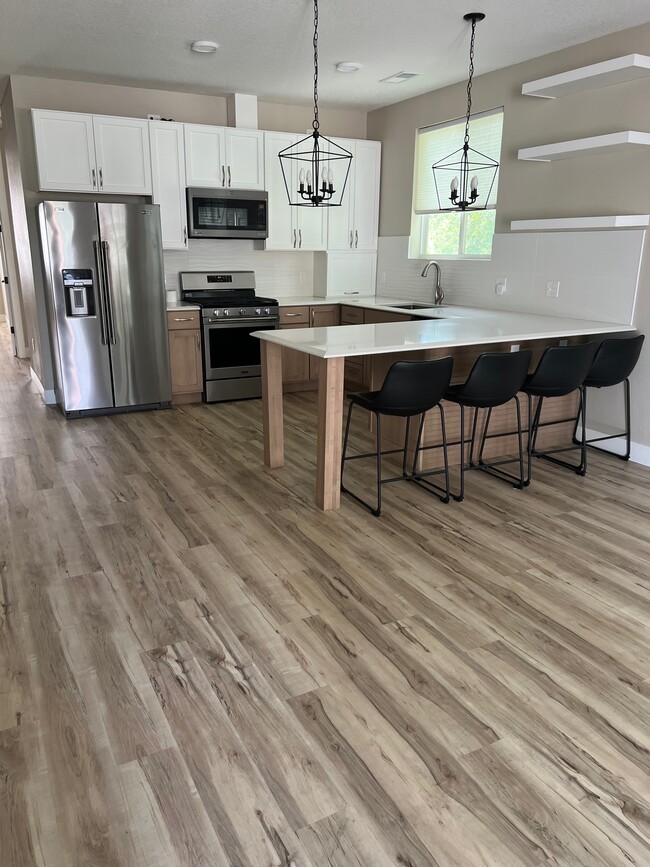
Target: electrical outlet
[
  {"x": 514, "y": 347},
  {"x": 552, "y": 288},
  {"x": 501, "y": 286}
]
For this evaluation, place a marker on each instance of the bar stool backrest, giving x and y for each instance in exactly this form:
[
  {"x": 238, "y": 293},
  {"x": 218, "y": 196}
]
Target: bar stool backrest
[
  {"x": 562, "y": 369},
  {"x": 615, "y": 360},
  {"x": 496, "y": 377},
  {"x": 413, "y": 387}
]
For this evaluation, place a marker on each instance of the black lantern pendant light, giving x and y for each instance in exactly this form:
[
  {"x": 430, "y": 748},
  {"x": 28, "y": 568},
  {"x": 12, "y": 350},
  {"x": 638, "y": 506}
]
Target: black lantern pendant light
[
  {"x": 315, "y": 169},
  {"x": 472, "y": 173}
]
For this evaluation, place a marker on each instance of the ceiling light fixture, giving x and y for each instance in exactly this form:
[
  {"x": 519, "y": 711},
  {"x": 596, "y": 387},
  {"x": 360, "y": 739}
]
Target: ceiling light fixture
[
  {"x": 348, "y": 66},
  {"x": 204, "y": 46},
  {"x": 465, "y": 190},
  {"x": 307, "y": 164}
]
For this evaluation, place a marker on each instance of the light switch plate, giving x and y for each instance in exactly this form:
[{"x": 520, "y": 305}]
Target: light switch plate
[
  {"x": 552, "y": 288},
  {"x": 501, "y": 286}
]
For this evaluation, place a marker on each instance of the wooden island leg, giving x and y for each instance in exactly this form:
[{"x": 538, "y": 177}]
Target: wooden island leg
[
  {"x": 330, "y": 433},
  {"x": 272, "y": 406}
]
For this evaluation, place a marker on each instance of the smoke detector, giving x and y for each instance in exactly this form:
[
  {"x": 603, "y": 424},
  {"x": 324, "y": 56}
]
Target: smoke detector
[
  {"x": 205, "y": 46},
  {"x": 348, "y": 66}
]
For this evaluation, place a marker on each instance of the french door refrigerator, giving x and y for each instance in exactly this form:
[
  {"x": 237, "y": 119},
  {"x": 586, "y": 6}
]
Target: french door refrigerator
[{"x": 106, "y": 291}]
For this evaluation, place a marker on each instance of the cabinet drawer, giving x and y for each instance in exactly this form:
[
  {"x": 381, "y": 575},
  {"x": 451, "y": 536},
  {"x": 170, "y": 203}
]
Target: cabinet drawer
[
  {"x": 351, "y": 315},
  {"x": 181, "y": 319},
  {"x": 294, "y": 315},
  {"x": 353, "y": 370}
]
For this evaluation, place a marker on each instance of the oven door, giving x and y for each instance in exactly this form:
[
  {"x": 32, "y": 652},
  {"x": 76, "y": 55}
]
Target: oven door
[{"x": 229, "y": 351}]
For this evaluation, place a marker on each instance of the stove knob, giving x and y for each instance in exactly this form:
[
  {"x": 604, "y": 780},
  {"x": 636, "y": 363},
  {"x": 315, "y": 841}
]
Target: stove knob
[
  {"x": 242, "y": 311},
  {"x": 267, "y": 311},
  {"x": 215, "y": 312},
  {"x": 259, "y": 311},
  {"x": 226, "y": 312}
]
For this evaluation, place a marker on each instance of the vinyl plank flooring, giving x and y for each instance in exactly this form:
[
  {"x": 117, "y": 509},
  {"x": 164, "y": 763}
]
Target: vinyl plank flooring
[{"x": 198, "y": 668}]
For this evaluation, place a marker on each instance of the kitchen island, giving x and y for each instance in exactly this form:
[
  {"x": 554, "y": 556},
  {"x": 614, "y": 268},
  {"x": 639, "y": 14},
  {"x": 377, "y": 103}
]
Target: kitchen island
[{"x": 458, "y": 331}]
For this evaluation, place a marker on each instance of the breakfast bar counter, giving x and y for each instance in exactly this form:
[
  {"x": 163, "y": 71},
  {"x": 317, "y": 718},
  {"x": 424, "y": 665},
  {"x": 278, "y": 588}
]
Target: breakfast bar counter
[{"x": 449, "y": 328}]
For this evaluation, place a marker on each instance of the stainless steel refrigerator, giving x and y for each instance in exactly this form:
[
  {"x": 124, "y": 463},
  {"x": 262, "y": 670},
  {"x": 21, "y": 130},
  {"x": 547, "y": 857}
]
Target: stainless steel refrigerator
[{"x": 105, "y": 281}]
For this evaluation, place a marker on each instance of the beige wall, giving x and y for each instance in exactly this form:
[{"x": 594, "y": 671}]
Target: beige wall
[
  {"x": 26, "y": 92},
  {"x": 616, "y": 183}
]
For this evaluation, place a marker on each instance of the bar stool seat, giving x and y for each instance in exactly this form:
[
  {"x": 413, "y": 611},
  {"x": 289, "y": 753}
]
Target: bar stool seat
[
  {"x": 561, "y": 371},
  {"x": 494, "y": 380},
  {"x": 411, "y": 388},
  {"x": 613, "y": 363}
]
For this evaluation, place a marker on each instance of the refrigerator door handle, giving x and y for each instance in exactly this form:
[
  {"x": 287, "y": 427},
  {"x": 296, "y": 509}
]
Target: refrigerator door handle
[
  {"x": 101, "y": 292},
  {"x": 109, "y": 294}
]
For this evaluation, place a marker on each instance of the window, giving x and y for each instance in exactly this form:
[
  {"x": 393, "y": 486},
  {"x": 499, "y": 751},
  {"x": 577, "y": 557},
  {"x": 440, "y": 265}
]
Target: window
[{"x": 453, "y": 234}]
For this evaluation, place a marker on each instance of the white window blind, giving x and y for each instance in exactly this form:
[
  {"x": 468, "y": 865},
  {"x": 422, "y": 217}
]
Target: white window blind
[{"x": 433, "y": 143}]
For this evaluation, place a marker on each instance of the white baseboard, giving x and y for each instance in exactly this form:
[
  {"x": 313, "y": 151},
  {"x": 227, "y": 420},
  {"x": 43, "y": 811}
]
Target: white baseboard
[
  {"x": 48, "y": 394},
  {"x": 639, "y": 453}
]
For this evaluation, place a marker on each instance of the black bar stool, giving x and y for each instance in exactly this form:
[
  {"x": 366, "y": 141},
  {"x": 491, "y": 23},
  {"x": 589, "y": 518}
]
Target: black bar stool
[
  {"x": 561, "y": 370},
  {"x": 494, "y": 381},
  {"x": 615, "y": 360},
  {"x": 410, "y": 388}
]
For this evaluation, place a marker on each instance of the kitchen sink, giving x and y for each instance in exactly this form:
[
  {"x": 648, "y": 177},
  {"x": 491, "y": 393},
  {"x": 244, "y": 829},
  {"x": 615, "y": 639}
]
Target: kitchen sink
[{"x": 412, "y": 306}]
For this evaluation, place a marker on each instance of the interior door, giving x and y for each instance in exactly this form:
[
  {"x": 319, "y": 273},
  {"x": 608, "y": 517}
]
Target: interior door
[
  {"x": 70, "y": 247},
  {"x": 135, "y": 289}
]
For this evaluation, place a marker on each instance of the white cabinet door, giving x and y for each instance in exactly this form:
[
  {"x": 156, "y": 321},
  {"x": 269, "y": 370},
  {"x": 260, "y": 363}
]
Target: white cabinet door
[
  {"x": 280, "y": 213},
  {"x": 122, "y": 155},
  {"x": 354, "y": 226},
  {"x": 65, "y": 151},
  {"x": 311, "y": 225},
  {"x": 205, "y": 156},
  {"x": 347, "y": 273},
  {"x": 367, "y": 159},
  {"x": 340, "y": 231},
  {"x": 168, "y": 181},
  {"x": 245, "y": 159}
]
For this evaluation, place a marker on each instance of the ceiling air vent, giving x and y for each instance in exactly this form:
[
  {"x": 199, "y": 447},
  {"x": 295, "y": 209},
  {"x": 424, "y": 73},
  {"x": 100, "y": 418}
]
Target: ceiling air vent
[{"x": 398, "y": 78}]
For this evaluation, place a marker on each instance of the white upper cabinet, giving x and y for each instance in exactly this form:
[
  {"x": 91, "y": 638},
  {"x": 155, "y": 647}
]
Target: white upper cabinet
[
  {"x": 122, "y": 155},
  {"x": 290, "y": 227},
  {"x": 221, "y": 157},
  {"x": 205, "y": 156},
  {"x": 85, "y": 153},
  {"x": 65, "y": 151},
  {"x": 168, "y": 181},
  {"x": 354, "y": 226},
  {"x": 245, "y": 159}
]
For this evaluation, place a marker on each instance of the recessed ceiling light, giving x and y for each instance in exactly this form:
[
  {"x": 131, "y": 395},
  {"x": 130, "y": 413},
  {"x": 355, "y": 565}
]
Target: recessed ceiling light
[
  {"x": 204, "y": 46},
  {"x": 348, "y": 66},
  {"x": 398, "y": 78}
]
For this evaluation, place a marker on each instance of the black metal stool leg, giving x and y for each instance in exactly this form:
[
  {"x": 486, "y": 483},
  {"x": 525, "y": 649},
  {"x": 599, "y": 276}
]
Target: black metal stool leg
[
  {"x": 443, "y": 429},
  {"x": 582, "y": 469},
  {"x": 473, "y": 439},
  {"x": 628, "y": 425},
  {"x": 406, "y": 444},
  {"x": 536, "y": 420},
  {"x": 461, "y": 496},
  {"x": 484, "y": 436},
  {"x": 345, "y": 444},
  {"x": 377, "y": 511},
  {"x": 529, "y": 444},
  {"x": 522, "y": 480}
]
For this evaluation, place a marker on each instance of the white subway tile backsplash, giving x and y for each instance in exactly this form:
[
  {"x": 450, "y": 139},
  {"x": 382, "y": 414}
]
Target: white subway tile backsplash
[
  {"x": 276, "y": 274},
  {"x": 598, "y": 274}
]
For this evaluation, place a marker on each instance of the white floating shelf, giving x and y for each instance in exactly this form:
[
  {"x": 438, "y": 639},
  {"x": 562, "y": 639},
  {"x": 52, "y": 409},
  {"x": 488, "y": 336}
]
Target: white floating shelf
[
  {"x": 597, "y": 75},
  {"x": 597, "y": 144},
  {"x": 618, "y": 222}
]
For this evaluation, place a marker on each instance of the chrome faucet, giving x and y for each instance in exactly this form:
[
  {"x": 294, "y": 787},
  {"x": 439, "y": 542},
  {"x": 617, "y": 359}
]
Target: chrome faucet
[{"x": 439, "y": 296}]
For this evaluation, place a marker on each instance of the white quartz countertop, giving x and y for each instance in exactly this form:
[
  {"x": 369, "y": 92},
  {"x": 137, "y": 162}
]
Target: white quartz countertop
[
  {"x": 179, "y": 305},
  {"x": 371, "y": 302},
  {"x": 461, "y": 326}
]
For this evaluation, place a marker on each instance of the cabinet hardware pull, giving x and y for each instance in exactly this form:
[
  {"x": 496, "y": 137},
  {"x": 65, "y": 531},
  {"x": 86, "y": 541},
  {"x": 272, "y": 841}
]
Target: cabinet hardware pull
[
  {"x": 292, "y": 314},
  {"x": 229, "y": 178},
  {"x": 101, "y": 179},
  {"x": 300, "y": 239},
  {"x": 351, "y": 239},
  {"x": 223, "y": 176},
  {"x": 294, "y": 239},
  {"x": 185, "y": 236},
  {"x": 313, "y": 313},
  {"x": 183, "y": 319},
  {"x": 356, "y": 239},
  {"x": 94, "y": 179},
  {"x": 198, "y": 341}
]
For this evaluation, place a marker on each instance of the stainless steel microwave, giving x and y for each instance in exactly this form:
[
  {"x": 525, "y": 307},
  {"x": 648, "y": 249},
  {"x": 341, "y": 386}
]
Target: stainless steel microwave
[{"x": 227, "y": 213}]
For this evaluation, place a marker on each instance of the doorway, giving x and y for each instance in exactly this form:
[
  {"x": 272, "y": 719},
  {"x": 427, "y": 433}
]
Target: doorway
[{"x": 6, "y": 311}]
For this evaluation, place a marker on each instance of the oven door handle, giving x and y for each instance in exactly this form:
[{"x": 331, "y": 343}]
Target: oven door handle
[{"x": 240, "y": 323}]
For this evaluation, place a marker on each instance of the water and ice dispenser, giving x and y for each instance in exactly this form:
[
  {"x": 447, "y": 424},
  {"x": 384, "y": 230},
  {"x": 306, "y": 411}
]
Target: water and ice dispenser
[{"x": 79, "y": 292}]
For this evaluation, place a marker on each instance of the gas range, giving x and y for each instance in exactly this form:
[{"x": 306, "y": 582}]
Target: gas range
[
  {"x": 230, "y": 313},
  {"x": 227, "y": 295}
]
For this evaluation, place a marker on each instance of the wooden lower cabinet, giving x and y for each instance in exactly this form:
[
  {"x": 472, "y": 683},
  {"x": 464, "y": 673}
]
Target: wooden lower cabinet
[
  {"x": 295, "y": 365},
  {"x": 185, "y": 361}
]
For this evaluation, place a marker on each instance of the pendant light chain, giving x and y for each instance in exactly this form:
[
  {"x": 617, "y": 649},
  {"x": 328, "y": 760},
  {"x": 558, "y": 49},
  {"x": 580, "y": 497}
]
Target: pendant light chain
[
  {"x": 315, "y": 123},
  {"x": 469, "y": 81}
]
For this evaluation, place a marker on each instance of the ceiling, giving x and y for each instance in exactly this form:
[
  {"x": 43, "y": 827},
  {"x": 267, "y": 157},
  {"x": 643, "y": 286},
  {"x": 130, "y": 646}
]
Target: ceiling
[{"x": 266, "y": 44}]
